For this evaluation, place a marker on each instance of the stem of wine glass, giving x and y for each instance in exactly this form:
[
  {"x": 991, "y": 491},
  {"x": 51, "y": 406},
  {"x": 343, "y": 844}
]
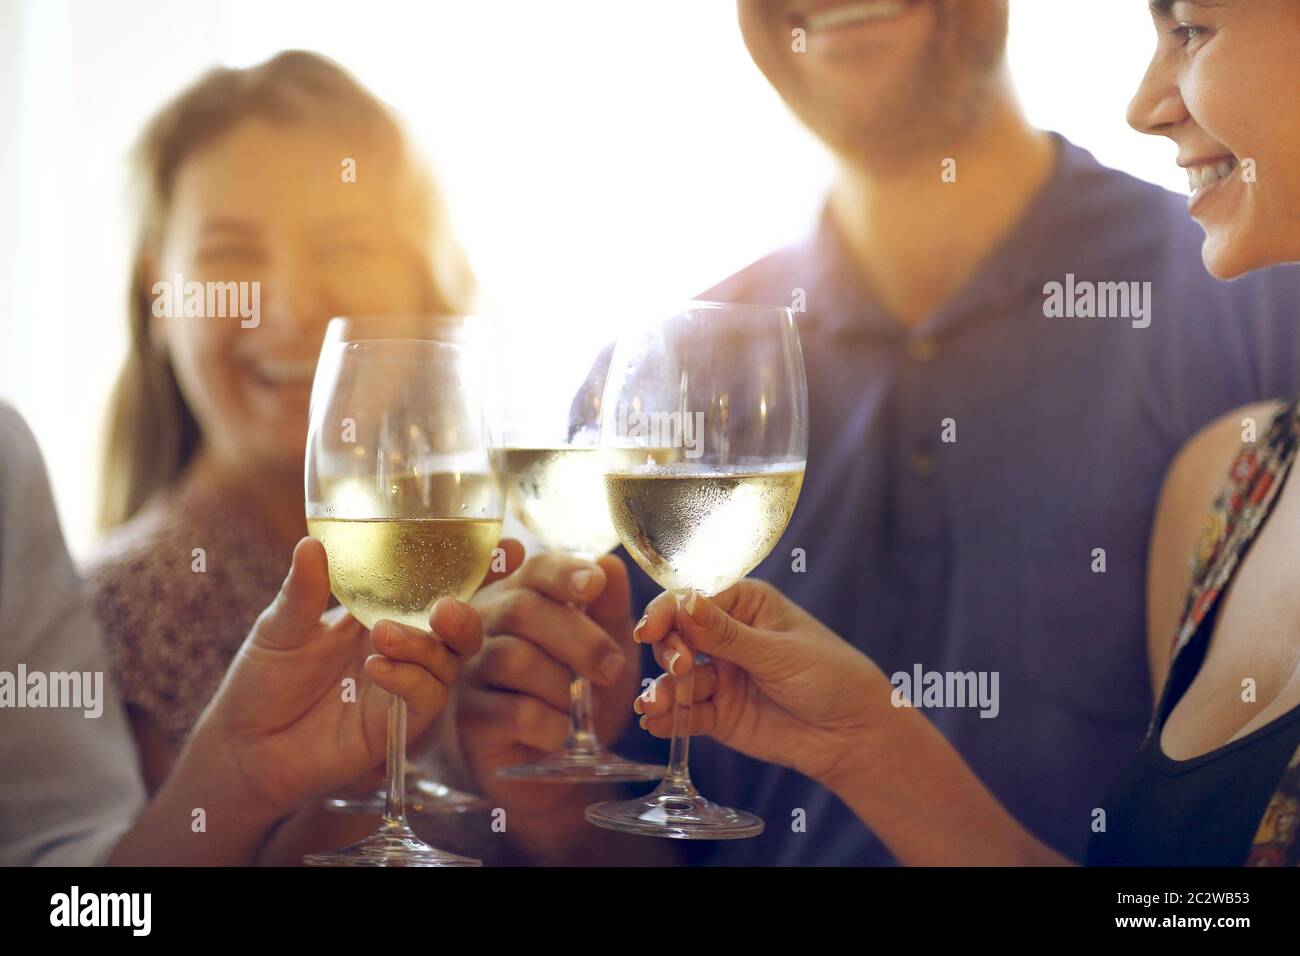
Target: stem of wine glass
[
  {"x": 582, "y": 722},
  {"x": 395, "y": 804},
  {"x": 582, "y": 728},
  {"x": 678, "y": 777}
]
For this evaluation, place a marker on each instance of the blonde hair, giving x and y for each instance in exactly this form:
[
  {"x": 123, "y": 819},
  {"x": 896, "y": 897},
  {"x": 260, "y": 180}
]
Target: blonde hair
[{"x": 152, "y": 434}]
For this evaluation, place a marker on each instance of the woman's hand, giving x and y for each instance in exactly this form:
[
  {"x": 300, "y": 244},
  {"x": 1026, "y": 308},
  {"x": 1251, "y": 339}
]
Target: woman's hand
[
  {"x": 783, "y": 688},
  {"x": 780, "y": 687},
  {"x": 303, "y": 708}
]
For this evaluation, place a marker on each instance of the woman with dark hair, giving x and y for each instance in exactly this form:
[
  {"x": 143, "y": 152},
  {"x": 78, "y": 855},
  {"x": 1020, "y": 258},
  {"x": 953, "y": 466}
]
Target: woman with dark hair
[{"x": 291, "y": 184}]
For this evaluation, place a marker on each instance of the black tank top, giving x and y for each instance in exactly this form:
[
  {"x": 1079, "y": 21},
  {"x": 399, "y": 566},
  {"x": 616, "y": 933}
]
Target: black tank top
[
  {"x": 1198, "y": 812},
  {"x": 1207, "y": 811}
]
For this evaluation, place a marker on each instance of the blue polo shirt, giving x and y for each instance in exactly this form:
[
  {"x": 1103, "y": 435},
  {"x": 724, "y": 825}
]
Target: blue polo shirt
[{"x": 985, "y": 554}]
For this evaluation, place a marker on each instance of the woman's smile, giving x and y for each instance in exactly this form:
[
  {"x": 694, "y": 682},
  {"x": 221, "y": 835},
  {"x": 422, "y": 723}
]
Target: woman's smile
[{"x": 1209, "y": 178}]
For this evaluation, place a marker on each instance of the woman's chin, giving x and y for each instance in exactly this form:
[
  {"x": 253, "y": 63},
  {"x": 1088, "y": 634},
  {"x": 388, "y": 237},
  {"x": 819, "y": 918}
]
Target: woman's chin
[
  {"x": 1226, "y": 261},
  {"x": 1231, "y": 257},
  {"x": 1221, "y": 267}
]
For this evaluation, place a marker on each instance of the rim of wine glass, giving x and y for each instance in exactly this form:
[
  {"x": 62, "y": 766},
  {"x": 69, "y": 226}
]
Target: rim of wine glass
[
  {"x": 400, "y": 349},
  {"x": 707, "y": 304},
  {"x": 460, "y": 329},
  {"x": 658, "y": 313},
  {"x": 787, "y": 316},
  {"x": 664, "y": 312},
  {"x": 332, "y": 348},
  {"x": 392, "y": 345}
]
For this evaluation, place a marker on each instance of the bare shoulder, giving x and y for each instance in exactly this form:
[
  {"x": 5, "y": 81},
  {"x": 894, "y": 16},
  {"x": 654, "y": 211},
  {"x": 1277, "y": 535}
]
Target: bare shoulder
[
  {"x": 1193, "y": 482},
  {"x": 1201, "y": 465}
]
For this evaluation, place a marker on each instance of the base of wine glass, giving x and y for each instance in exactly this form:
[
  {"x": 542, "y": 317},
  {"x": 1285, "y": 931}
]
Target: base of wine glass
[
  {"x": 423, "y": 795},
  {"x": 583, "y": 766},
  {"x": 676, "y": 813},
  {"x": 395, "y": 845}
]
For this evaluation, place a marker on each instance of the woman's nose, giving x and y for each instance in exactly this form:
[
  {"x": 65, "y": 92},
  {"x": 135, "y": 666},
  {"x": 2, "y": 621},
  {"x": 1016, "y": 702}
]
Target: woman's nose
[
  {"x": 1157, "y": 106},
  {"x": 295, "y": 297}
]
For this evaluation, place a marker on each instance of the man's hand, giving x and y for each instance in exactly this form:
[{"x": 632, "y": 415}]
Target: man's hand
[{"x": 512, "y": 706}]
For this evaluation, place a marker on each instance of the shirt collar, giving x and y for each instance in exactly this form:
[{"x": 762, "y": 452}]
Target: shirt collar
[{"x": 839, "y": 303}]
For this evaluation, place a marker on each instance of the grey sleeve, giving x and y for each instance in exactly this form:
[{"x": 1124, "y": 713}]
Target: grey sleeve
[{"x": 70, "y": 782}]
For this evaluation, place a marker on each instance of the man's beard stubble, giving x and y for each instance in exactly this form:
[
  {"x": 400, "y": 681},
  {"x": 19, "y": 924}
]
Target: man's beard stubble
[{"x": 925, "y": 115}]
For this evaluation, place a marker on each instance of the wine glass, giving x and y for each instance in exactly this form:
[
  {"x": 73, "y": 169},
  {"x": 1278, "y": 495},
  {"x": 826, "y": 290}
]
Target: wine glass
[
  {"x": 704, "y": 422},
  {"x": 404, "y": 490},
  {"x": 555, "y": 475},
  {"x": 425, "y": 792}
]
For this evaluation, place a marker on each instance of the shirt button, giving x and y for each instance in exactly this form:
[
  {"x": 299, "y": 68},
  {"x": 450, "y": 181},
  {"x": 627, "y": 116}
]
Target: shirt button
[
  {"x": 923, "y": 464},
  {"x": 922, "y": 350}
]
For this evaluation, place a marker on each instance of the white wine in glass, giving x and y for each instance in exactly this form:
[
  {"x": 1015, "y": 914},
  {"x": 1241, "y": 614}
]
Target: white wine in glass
[
  {"x": 701, "y": 528},
  {"x": 405, "y": 492},
  {"x": 559, "y": 495},
  {"x": 425, "y": 792},
  {"x": 705, "y": 422},
  {"x": 555, "y": 474}
]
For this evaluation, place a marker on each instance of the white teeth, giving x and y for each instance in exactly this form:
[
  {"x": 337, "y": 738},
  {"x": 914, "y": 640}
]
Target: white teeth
[
  {"x": 855, "y": 12},
  {"x": 1198, "y": 177}
]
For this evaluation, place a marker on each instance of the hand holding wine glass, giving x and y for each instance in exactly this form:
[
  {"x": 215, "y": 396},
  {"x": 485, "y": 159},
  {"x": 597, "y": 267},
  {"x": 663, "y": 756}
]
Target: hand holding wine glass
[
  {"x": 514, "y": 699},
  {"x": 405, "y": 492},
  {"x": 555, "y": 473},
  {"x": 781, "y": 687},
  {"x": 777, "y": 684},
  {"x": 425, "y": 791},
  {"x": 291, "y": 741},
  {"x": 704, "y": 426},
  {"x": 276, "y": 731}
]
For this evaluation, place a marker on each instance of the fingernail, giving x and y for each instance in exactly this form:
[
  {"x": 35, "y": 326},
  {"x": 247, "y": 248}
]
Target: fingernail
[
  {"x": 611, "y": 668},
  {"x": 641, "y": 723},
  {"x": 673, "y": 658},
  {"x": 383, "y": 666},
  {"x": 458, "y": 613},
  {"x": 701, "y": 612},
  {"x": 636, "y": 631},
  {"x": 636, "y": 705},
  {"x": 580, "y": 580}
]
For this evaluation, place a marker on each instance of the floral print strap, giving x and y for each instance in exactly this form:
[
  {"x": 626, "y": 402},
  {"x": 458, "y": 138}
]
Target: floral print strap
[
  {"x": 1254, "y": 479},
  {"x": 1256, "y": 476},
  {"x": 1275, "y": 842}
]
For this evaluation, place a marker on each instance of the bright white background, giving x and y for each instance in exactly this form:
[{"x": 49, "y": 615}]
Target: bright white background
[{"x": 592, "y": 148}]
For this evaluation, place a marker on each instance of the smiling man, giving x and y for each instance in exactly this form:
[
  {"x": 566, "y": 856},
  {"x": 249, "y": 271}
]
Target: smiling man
[
  {"x": 983, "y": 463},
  {"x": 983, "y": 469}
]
